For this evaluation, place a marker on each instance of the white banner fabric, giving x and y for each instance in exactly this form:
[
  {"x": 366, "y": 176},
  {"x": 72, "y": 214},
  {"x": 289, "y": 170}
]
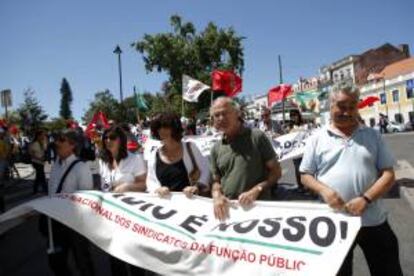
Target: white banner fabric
[
  {"x": 192, "y": 88},
  {"x": 180, "y": 236},
  {"x": 288, "y": 146}
]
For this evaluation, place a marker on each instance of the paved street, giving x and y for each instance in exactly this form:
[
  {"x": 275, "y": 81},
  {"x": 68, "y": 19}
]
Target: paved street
[{"x": 22, "y": 249}]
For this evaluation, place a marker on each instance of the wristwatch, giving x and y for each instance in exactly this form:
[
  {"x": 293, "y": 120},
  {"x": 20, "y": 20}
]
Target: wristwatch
[{"x": 366, "y": 198}]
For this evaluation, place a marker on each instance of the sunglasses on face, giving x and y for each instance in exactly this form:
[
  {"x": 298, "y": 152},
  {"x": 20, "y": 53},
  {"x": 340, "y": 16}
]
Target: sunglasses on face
[{"x": 111, "y": 137}]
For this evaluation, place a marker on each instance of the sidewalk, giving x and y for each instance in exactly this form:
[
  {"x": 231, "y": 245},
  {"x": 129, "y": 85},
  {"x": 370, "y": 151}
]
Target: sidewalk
[{"x": 405, "y": 179}]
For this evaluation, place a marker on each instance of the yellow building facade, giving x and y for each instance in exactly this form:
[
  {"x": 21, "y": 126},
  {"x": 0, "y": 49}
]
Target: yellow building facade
[{"x": 397, "y": 103}]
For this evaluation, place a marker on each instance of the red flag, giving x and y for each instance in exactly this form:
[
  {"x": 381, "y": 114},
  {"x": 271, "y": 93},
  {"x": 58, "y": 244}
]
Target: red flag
[
  {"x": 3, "y": 123},
  {"x": 98, "y": 118},
  {"x": 278, "y": 93},
  {"x": 367, "y": 101},
  {"x": 226, "y": 81}
]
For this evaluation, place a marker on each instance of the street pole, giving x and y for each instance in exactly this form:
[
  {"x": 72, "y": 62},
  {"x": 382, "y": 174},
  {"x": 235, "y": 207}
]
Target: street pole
[
  {"x": 385, "y": 94},
  {"x": 281, "y": 81},
  {"x": 135, "y": 98},
  {"x": 6, "y": 101},
  {"x": 118, "y": 51}
]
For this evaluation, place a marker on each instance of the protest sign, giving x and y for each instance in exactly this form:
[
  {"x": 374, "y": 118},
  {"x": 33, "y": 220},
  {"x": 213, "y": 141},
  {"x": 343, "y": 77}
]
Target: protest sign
[{"x": 180, "y": 236}]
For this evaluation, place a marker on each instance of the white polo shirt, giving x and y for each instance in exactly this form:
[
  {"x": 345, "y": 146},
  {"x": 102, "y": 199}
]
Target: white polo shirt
[
  {"x": 127, "y": 170},
  {"x": 79, "y": 178}
]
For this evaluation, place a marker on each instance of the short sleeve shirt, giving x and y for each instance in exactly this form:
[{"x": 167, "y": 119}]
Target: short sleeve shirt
[
  {"x": 241, "y": 163},
  {"x": 127, "y": 170},
  {"x": 349, "y": 166},
  {"x": 79, "y": 177}
]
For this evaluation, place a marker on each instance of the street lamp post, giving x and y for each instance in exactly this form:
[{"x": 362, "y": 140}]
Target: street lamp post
[
  {"x": 385, "y": 95},
  {"x": 118, "y": 51}
]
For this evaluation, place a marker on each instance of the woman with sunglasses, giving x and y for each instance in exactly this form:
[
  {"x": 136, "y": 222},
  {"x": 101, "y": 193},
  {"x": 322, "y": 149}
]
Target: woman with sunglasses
[
  {"x": 120, "y": 171},
  {"x": 171, "y": 166}
]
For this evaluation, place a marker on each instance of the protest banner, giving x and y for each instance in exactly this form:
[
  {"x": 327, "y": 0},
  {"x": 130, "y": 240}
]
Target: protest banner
[
  {"x": 292, "y": 145},
  {"x": 180, "y": 236},
  {"x": 288, "y": 146}
]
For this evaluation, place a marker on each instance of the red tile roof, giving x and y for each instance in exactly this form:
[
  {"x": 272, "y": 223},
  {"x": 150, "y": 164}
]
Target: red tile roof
[{"x": 398, "y": 68}]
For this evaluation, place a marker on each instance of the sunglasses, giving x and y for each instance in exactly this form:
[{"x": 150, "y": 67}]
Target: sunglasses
[{"x": 111, "y": 137}]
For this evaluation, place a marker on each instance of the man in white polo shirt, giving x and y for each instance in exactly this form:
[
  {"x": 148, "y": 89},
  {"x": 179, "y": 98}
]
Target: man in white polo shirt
[{"x": 351, "y": 168}]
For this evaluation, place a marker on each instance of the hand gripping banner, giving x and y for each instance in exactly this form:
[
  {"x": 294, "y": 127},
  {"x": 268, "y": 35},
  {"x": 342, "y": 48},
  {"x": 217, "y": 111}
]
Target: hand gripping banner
[{"x": 180, "y": 236}]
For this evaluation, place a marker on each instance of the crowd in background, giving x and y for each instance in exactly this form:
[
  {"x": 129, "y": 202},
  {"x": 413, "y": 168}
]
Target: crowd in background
[{"x": 242, "y": 166}]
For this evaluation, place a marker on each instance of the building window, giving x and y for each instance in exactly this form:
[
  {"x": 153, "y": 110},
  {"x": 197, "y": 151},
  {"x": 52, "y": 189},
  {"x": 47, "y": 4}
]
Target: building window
[
  {"x": 410, "y": 93},
  {"x": 395, "y": 96},
  {"x": 383, "y": 98},
  {"x": 399, "y": 118},
  {"x": 411, "y": 117},
  {"x": 410, "y": 88}
]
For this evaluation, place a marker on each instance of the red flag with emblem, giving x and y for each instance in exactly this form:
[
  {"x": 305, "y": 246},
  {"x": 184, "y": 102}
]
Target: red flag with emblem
[{"x": 227, "y": 81}]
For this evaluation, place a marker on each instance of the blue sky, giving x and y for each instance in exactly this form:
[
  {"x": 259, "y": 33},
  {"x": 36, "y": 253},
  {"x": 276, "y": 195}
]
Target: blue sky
[{"x": 43, "y": 41}]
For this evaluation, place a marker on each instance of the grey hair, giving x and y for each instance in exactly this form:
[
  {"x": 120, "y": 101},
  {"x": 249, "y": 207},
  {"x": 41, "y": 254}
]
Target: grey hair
[
  {"x": 226, "y": 100},
  {"x": 349, "y": 90}
]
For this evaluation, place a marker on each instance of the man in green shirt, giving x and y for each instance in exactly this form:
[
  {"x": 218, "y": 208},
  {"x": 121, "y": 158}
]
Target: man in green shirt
[{"x": 244, "y": 164}]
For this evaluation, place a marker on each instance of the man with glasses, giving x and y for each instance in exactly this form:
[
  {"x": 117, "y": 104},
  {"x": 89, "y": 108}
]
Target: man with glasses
[
  {"x": 271, "y": 127},
  {"x": 351, "y": 168}
]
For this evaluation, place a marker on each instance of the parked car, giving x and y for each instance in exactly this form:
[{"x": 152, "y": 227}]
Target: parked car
[
  {"x": 393, "y": 127},
  {"x": 409, "y": 126}
]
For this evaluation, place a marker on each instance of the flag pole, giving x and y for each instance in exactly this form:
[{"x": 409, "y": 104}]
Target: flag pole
[
  {"x": 135, "y": 96},
  {"x": 281, "y": 81},
  {"x": 182, "y": 104}
]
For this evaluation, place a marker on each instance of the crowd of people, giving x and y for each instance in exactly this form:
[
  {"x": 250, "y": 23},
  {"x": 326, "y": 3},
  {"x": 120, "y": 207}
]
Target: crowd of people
[{"x": 347, "y": 164}]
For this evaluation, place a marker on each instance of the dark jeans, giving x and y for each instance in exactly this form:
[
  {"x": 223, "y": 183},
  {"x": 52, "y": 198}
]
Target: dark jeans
[
  {"x": 67, "y": 240},
  {"x": 40, "y": 179},
  {"x": 380, "y": 247}
]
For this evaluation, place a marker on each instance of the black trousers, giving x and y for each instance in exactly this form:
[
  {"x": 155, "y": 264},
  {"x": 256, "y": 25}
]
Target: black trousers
[
  {"x": 121, "y": 268},
  {"x": 296, "y": 163},
  {"x": 380, "y": 247},
  {"x": 67, "y": 240},
  {"x": 40, "y": 179}
]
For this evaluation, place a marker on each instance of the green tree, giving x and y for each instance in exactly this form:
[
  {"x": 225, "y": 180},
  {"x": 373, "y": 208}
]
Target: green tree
[
  {"x": 66, "y": 100},
  {"x": 104, "y": 101},
  {"x": 184, "y": 51},
  {"x": 14, "y": 117},
  {"x": 55, "y": 124},
  {"x": 31, "y": 112}
]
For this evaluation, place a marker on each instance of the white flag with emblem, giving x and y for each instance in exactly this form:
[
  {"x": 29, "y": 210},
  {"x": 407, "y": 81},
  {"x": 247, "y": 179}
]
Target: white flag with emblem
[{"x": 192, "y": 88}]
